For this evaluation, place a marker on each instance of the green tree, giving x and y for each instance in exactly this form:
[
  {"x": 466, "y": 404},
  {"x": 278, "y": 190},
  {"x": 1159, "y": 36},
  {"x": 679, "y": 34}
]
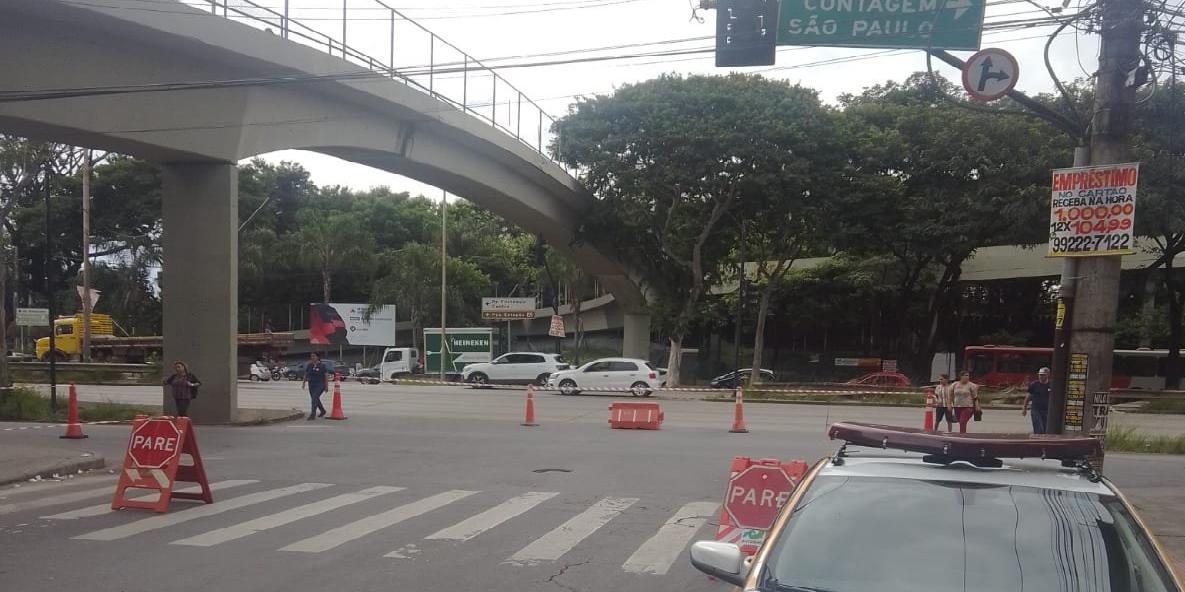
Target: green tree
[
  {"x": 931, "y": 181},
  {"x": 330, "y": 242},
  {"x": 668, "y": 160}
]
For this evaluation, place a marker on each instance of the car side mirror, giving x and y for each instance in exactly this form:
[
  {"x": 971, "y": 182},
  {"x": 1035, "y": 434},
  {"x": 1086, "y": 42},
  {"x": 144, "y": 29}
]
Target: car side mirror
[{"x": 720, "y": 560}]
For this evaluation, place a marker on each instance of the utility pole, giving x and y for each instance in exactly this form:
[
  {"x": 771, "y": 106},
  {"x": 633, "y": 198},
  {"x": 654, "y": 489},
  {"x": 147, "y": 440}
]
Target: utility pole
[
  {"x": 53, "y": 343},
  {"x": 736, "y": 335},
  {"x": 1063, "y": 328},
  {"x": 443, "y": 281},
  {"x": 86, "y": 256},
  {"x": 1096, "y": 296}
]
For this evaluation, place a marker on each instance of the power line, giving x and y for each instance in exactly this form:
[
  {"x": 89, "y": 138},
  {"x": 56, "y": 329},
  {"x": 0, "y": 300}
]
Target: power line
[{"x": 199, "y": 10}]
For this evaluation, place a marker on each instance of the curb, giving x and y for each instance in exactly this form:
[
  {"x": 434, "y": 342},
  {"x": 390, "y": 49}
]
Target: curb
[
  {"x": 294, "y": 415},
  {"x": 66, "y": 468}
]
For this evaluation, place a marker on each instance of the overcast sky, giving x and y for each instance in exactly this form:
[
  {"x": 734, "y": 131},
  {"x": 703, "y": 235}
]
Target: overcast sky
[{"x": 488, "y": 29}]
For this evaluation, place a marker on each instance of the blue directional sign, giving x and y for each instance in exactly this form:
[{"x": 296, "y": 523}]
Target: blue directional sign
[{"x": 904, "y": 24}]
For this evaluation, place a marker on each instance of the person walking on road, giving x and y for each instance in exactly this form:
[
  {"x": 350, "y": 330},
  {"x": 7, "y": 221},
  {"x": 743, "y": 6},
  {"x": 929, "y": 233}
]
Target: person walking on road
[
  {"x": 183, "y": 386},
  {"x": 942, "y": 404},
  {"x": 1038, "y": 400},
  {"x": 316, "y": 374},
  {"x": 964, "y": 396}
]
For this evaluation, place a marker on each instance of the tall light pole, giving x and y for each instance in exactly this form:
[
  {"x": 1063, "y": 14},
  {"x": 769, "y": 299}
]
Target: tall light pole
[
  {"x": 86, "y": 256},
  {"x": 443, "y": 280}
]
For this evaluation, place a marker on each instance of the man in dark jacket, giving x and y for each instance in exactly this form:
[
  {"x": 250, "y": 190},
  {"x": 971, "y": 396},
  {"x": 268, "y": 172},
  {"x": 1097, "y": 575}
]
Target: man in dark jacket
[
  {"x": 316, "y": 374},
  {"x": 1038, "y": 399}
]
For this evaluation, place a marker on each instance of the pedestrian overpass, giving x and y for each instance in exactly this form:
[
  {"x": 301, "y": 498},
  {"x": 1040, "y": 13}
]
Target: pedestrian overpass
[{"x": 198, "y": 86}]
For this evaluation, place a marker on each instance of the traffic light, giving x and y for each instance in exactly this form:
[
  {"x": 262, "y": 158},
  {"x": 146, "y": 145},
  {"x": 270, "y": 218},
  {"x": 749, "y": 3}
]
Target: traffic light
[{"x": 746, "y": 32}]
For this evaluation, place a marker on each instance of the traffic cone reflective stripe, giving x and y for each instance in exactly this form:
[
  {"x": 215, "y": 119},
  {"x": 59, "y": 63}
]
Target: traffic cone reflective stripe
[
  {"x": 73, "y": 428},
  {"x": 738, "y": 417},
  {"x": 337, "y": 399},
  {"x": 529, "y": 421}
]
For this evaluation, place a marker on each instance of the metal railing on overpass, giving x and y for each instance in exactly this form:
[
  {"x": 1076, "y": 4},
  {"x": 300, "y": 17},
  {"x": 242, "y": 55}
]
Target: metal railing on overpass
[{"x": 377, "y": 36}]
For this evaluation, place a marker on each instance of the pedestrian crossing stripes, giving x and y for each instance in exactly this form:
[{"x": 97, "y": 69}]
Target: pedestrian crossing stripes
[
  {"x": 360, "y": 528},
  {"x": 380, "y": 507},
  {"x": 554, "y": 544},
  {"x": 165, "y": 520},
  {"x": 100, "y": 509}
]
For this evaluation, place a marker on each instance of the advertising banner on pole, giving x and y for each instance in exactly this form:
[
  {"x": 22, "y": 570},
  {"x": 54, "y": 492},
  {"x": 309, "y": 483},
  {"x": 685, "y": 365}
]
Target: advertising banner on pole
[
  {"x": 346, "y": 324},
  {"x": 1093, "y": 211},
  {"x": 507, "y": 309}
]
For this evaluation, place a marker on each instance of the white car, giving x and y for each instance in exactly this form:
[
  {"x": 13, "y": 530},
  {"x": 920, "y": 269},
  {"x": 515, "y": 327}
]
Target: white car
[
  {"x": 611, "y": 374},
  {"x": 515, "y": 368}
]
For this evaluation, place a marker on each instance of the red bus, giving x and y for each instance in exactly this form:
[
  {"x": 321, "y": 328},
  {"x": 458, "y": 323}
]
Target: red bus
[{"x": 1004, "y": 365}]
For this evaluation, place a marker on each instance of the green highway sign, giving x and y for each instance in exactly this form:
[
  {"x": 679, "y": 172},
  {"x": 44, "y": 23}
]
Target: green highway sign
[{"x": 904, "y": 24}]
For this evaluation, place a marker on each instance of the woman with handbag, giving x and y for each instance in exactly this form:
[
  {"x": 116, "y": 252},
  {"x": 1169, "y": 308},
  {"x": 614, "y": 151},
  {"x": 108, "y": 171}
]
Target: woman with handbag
[
  {"x": 183, "y": 386},
  {"x": 964, "y": 396}
]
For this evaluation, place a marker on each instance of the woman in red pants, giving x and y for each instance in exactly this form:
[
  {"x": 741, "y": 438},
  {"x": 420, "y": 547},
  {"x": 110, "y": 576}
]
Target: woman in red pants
[{"x": 964, "y": 396}]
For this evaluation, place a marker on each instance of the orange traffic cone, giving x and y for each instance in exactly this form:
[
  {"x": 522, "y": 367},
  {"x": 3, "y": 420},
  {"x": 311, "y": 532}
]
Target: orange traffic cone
[
  {"x": 530, "y": 419},
  {"x": 738, "y": 418},
  {"x": 337, "y": 399},
  {"x": 73, "y": 428},
  {"x": 928, "y": 416}
]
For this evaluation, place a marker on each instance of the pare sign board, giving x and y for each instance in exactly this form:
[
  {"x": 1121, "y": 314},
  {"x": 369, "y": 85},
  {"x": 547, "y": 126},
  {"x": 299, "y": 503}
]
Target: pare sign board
[
  {"x": 154, "y": 461},
  {"x": 1093, "y": 210}
]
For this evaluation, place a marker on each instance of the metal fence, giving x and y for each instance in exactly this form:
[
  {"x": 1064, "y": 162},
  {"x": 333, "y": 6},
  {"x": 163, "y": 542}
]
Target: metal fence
[{"x": 374, "y": 35}]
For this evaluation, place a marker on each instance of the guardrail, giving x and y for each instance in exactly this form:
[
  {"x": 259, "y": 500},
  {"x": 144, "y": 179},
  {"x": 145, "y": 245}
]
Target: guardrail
[
  {"x": 378, "y": 36},
  {"x": 84, "y": 366}
]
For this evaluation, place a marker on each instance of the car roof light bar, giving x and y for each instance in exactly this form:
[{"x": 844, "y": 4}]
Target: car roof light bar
[{"x": 967, "y": 446}]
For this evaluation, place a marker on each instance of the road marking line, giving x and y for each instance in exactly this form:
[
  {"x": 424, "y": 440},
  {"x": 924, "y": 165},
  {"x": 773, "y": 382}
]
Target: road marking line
[
  {"x": 360, "y": 528},
  {"x": 100, "y": 509},
  {"x": 656, "y": 555},
  {"x": 471, "y": 527},
  {"x": 554, "y": 544},
  {"x": 65, "y": 498},
  {"x": 250, "y": 527},
  {"x": 166, "y": 520}
]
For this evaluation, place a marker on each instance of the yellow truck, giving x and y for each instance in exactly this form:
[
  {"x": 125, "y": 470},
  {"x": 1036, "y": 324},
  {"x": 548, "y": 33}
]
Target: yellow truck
[{"x": 106, "y": 346}]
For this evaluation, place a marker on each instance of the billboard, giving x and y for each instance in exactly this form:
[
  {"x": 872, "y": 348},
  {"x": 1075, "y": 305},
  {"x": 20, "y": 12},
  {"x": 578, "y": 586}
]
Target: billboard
[{"x": 345, "y": 324}]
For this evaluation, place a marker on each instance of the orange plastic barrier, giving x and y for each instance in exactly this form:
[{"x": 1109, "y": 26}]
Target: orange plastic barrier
[
  {"x": 756, "y": 492},
  {"x": 73, "y": 427},
  {"x": 153, "y": 461},
  {"x": 627, "y": 415},
  {"x": 738, "y": 414}
]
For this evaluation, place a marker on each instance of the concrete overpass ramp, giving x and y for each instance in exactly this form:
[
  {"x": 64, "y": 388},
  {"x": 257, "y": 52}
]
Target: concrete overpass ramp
[{"x": 197, "y": 93}]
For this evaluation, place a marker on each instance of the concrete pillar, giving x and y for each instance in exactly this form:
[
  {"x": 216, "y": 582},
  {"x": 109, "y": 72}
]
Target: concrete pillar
[
  {"x": 201, "y": 277},
  {"x": 636, "y": 342}
]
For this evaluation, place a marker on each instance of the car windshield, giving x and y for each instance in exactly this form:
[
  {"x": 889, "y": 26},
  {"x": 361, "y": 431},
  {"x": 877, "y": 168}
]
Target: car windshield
[{"x": 865, "y": 534}]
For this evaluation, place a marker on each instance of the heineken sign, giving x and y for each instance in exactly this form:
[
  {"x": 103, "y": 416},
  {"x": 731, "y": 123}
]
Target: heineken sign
[{"x": 905, "y": 24}]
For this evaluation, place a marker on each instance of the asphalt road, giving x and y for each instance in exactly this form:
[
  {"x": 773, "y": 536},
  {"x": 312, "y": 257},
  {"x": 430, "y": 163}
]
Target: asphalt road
[{"x": 425, "y": 488}]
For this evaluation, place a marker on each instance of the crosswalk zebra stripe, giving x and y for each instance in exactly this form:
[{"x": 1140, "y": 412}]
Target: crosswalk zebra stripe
[
  {"x": 166, "y": 520},
  {"x": 11, "y": 494},
  {"x": 471, "y": 527},
  {"x": 100, "y": 509},
  {"x": 55, "y": 500},
  {"x": 556, "y": 543},
  {"x": 656, "y": 555},
  {"x": 250, "y": 527},
  {"x": 360, "y": 528}
]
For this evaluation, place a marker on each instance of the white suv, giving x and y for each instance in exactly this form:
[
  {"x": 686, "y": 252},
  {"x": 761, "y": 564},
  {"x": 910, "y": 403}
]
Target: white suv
[
  {"x": 609, "y": 374},
  {"x": 515, "y": 368}
]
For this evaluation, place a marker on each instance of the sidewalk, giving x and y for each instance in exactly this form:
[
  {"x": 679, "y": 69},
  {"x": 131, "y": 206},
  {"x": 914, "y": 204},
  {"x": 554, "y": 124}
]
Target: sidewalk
[{"x": 22, "y": 463}]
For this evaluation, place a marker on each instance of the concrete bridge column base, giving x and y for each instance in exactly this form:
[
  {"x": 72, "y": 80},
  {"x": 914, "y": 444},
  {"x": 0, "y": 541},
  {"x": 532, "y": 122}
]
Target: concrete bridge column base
[
  {"x": 200, "y": 283},
  {"x": 636, "y": 341}
]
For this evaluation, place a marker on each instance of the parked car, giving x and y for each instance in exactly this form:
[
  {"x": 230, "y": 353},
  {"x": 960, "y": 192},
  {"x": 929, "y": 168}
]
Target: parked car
[
  {"x": 732, "y": 379},
  {"x": 515, "y": 368},
  {"x": 881, "y": 379},
  {"x": 371, "y": 375},
  {"x": 296, "y": 371},
  {"x": 980, "y": 511},
  {"x": 616, "y": 374}
]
